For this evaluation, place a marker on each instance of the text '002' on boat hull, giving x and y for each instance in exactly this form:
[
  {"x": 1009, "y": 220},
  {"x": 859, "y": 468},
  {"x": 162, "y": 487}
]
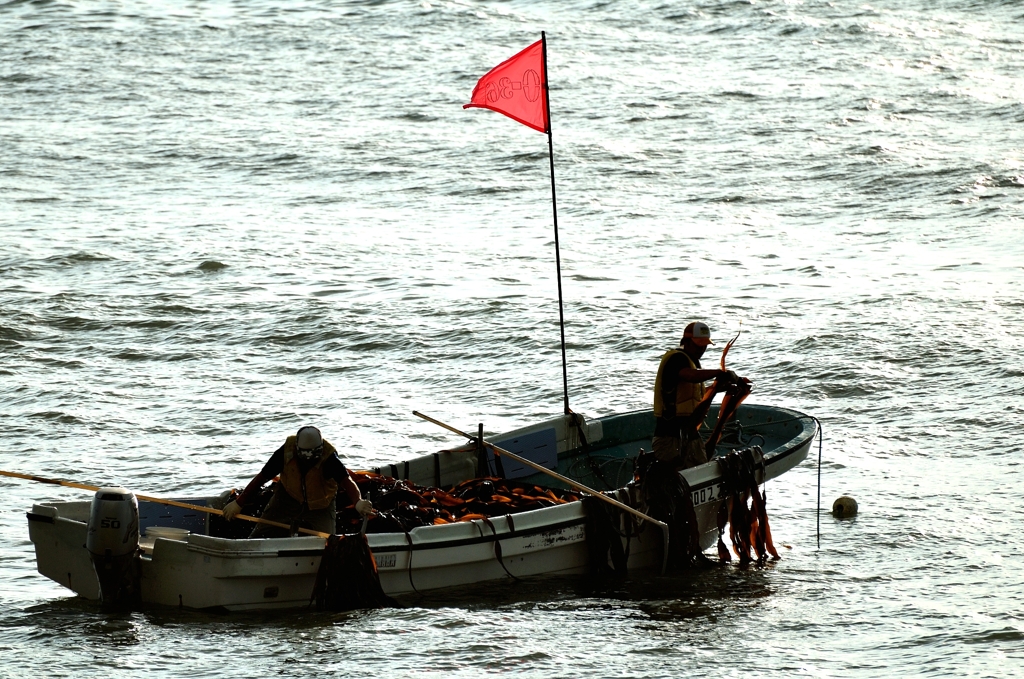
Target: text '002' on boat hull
[{"x": 182, "y": 565}]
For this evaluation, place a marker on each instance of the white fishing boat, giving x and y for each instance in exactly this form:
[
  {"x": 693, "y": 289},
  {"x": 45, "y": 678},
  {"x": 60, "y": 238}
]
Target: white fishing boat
[{"x": 180, "y": 564}]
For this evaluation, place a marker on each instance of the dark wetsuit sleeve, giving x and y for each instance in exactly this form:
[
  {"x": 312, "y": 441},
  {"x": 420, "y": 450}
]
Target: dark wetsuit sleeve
[
  {"x": 271, "y": 469},
  {"x": 334, "y": 468},
  {"x": 274, "y": 465}
]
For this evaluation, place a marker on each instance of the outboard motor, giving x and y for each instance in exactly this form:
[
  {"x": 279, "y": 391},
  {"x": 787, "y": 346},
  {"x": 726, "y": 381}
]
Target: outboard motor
[{"x": 113, "y": 544}]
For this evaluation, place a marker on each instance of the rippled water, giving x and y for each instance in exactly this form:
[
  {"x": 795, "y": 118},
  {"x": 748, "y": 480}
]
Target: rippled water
[{"x": 221, "y": 220}]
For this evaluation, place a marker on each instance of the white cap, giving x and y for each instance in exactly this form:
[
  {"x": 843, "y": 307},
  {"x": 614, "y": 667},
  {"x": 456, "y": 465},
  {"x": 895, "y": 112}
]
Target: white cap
[
  {"x": 308, "y": 438},
  {"x": 699, "y": 332}
]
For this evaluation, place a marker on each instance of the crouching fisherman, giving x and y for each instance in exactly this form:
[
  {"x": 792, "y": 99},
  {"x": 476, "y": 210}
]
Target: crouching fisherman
[{"x": 311, "y": 475}]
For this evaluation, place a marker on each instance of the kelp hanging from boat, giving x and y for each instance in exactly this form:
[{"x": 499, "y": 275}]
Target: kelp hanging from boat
[
  {"x": 347, "y": 579},
  {"x": 605, "y": 554},
  {"x": 735, "y": 394},
  {"x": 666, "y": 496},
  {"x": 748, "y": 525},
  {"x": 749, "y": 531}
]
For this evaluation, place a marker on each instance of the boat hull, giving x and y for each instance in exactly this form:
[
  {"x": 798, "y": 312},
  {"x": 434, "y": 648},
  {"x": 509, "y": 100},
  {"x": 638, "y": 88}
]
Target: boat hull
[{"x": 199, "y": 571}]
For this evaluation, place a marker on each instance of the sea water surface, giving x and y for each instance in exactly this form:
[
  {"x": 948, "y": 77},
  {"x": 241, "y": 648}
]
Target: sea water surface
[{"x": 222, "y": 220}]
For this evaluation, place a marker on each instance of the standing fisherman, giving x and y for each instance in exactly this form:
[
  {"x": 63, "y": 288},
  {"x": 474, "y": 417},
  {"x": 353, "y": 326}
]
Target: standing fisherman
[
  {"x": 678, "y": 389},
  {"x": 311, "y": 475}
]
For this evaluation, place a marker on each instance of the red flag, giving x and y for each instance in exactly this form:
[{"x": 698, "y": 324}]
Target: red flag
[{"x": 515, "y": 88}]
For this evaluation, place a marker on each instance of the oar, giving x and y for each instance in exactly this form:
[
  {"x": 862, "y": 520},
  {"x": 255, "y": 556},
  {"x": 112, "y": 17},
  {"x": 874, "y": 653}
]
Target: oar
[
  {"x": 160, "y": 501},
  {"x": 564, "y": 479}
]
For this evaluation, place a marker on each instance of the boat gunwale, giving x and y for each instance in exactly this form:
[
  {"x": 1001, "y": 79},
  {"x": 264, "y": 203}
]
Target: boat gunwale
[{"x": 799, "y": 442}]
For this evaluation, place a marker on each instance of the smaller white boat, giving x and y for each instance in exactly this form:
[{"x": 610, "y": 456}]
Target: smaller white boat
[{"x": 182, "y": 565}]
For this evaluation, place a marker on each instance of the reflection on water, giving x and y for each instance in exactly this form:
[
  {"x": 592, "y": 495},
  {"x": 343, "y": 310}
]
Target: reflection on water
[
  {"x": 693, "y": 594},
  {"x": 696, "y": 594},
  {"x": 78, "y": 621}
]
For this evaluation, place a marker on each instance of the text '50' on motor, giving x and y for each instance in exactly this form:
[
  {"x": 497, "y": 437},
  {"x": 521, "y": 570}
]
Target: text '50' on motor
[{"x": 113, "y": 544}]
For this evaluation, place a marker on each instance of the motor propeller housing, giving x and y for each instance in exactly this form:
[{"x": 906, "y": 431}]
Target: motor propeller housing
[{"x": 113, "y": 544}]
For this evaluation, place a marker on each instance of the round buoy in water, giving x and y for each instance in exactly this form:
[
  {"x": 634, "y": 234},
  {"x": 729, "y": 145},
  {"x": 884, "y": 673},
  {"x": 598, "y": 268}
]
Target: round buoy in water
[{"x": 844, "y": 507}]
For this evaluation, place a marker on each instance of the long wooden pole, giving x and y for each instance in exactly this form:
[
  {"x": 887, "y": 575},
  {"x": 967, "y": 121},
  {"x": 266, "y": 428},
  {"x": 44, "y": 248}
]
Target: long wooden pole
[
  {"x": 161, "y": 501},
  {"x": 564, "y": 479}
]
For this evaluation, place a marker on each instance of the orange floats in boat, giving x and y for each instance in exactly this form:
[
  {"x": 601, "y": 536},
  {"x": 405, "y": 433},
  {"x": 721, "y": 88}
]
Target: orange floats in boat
[{"x": 403, "y": 505}]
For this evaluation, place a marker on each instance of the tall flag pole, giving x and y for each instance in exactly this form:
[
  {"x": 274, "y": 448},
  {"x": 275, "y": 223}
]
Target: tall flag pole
[
  {"x": 554, "y": 217},
  {"x": 514, "y": 88}
]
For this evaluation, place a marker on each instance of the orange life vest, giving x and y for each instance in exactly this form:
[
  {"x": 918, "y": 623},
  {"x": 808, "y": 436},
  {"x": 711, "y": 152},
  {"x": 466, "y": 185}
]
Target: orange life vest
[
  {"x": 688, "y": 394},
  {"x": 311, "y": 488}
]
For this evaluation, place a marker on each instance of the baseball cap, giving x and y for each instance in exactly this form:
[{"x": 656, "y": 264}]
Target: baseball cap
[{"x": 699, "y": 332}]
